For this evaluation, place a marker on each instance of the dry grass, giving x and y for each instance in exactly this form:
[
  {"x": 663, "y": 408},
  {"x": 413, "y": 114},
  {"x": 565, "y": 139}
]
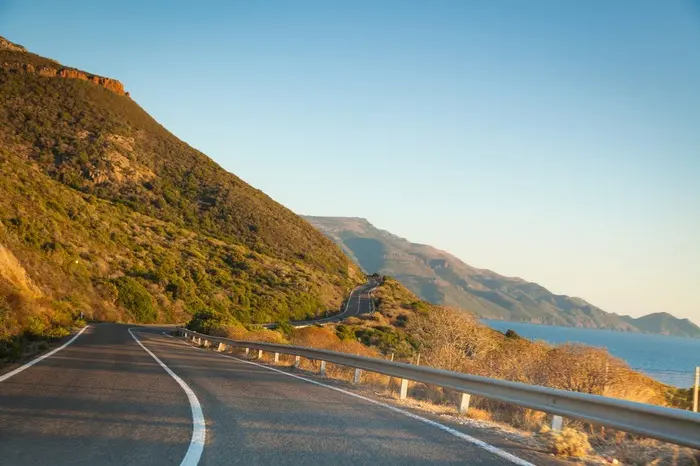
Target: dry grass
[
  {"x": 569, "y": 442},
  {"x": 14, "y": 275},
  {"x": 639, "y": 451},
  {"x": 528, "y": 419},
  {"x": 479, "y": 414},
  {"x": 263, "y": 335}
]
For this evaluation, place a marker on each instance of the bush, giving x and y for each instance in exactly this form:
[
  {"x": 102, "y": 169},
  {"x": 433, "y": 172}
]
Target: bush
[
  {"x": 315, "y": 337},
  {"x": 136, "y": 300},
  {"x": 285, "y": 328},
  {"x": 569, "y": 442},
  {"x": 344, "y": 332}
]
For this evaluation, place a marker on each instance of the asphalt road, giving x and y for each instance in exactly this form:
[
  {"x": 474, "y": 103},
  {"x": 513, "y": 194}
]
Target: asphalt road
[
  {"x": 359, "y": 302},
  {"x": 101, "y": 400},
  {"x": 105, "y": 400}
]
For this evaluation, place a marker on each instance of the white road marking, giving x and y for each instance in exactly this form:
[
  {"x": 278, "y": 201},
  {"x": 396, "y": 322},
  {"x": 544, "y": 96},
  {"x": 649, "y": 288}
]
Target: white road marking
[
  {"x": 199, "y": 430},
  {"x": 41, "y": 358},
  {"x": 480, "y": 443}
]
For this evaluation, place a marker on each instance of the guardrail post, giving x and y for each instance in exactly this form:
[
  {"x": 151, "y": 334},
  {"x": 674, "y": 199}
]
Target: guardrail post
[
  {"x": 247, "y": 352},
  {"x": 557, "y": 422},
  {"x": 464, "y": 402},
  {"x": 207, "y": 343},
  {"x": 221, "y": 347},
  {"x": 277, "y": 358},
  {"x": 260, "y": 352},
  {"x": 356, "y": 377},
  {"x": 322, "y": 371},
  {"x": 297, "y": 362},
  {"x": 404, "y": 389},
  {"x": 695, "y": 389}
]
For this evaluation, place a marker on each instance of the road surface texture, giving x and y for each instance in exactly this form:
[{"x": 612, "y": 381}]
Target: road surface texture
[
  {"x": 101, "y": 400},
  {"x": 105, "y": 400}
]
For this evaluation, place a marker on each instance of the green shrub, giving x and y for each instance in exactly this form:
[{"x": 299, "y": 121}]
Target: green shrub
[
  {"x": 136, "y": 300},
  {"x": 285, "y": 328}
]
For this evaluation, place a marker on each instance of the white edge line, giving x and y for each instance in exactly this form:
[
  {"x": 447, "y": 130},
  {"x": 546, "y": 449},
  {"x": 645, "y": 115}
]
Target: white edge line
[
  {"x": 199, "y": 430},
  {"x": 480, "y": 443},
  {"x": 42, "y": 357}
]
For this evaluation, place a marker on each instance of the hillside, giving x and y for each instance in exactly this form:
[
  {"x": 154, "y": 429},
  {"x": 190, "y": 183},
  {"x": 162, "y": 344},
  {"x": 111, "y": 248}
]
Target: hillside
[
  {"x": 441, "y": 278},
  {"x": 665, "y": 324},
  {"x": 106, "y": 212}
]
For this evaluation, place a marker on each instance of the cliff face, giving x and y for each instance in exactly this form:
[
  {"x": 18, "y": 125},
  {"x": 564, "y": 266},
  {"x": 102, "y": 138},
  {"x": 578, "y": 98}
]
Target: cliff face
[{"x": 21, "y": 66}]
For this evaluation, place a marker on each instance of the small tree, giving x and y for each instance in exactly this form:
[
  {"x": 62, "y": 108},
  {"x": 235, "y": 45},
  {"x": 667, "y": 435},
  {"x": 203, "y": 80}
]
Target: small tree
[{"x": 450, "y": 339}]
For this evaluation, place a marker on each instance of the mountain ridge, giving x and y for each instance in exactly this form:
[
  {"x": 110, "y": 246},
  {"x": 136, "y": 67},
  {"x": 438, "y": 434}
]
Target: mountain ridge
[
  {"x": 441, "y": 278},
  {"x": 27, "y": 62}
]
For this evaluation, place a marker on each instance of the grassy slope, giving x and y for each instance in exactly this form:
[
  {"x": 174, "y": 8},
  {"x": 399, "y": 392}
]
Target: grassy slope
[{"x": 111, "y": 214}]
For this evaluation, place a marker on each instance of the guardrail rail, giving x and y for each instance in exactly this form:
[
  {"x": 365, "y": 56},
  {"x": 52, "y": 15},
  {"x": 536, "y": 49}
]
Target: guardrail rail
[{"x": 667, "y": 424}]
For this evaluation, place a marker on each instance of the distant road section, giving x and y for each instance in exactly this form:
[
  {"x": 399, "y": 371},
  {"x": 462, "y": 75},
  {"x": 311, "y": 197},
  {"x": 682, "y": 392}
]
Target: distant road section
[{"x": 359, "y": 302}]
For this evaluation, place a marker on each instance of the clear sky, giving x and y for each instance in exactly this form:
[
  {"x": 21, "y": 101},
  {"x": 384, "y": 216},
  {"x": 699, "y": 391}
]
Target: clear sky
[{"x": 557, "y": 141}]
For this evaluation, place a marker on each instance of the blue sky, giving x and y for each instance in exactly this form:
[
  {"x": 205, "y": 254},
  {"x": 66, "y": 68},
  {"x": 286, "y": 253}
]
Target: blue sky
[{"x": 556, "y": 141}]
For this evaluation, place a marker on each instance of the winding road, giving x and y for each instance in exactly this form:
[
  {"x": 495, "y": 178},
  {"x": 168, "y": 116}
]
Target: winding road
[
  {"x": 359, "y": 302},
  {"x": 115, "y": 396}
]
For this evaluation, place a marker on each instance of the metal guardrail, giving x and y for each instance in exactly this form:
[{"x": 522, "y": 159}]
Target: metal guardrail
[{"x": 667, "y": 424}]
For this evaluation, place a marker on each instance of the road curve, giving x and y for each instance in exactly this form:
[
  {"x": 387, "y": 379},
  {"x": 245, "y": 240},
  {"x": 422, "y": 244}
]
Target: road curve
[
  {"x": 104, "y": 400},
  {"x": 359, "y": 302}
]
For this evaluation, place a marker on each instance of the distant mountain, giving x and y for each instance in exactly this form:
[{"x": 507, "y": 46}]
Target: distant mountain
[
  {"x": 441, "y": 278},
  {"x": 665, "y": 324}
]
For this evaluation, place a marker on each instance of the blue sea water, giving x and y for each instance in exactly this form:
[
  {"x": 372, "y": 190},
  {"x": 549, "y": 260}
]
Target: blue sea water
[{"x": 671, "y": 360}]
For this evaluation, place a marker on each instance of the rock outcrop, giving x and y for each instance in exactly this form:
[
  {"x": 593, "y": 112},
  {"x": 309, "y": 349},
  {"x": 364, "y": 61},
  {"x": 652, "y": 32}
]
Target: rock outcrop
[
  {"x": 7, "y": 45},
  {"x": 67, "y": 73},
  {"x": 53, "y": 72}
]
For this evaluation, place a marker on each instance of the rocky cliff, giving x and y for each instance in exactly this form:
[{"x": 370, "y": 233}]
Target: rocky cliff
[
  {"x": 14, "y": 62},
  {"x": 7, "y": 45}
]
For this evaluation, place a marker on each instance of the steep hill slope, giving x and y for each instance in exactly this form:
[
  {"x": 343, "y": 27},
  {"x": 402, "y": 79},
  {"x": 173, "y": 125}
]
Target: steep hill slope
[
  {"x": 108, "y": 212},
  {"x": 441, "y": 278}
]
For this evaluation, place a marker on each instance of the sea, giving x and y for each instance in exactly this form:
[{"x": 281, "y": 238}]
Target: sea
[{"x": 671, "y": 360}]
